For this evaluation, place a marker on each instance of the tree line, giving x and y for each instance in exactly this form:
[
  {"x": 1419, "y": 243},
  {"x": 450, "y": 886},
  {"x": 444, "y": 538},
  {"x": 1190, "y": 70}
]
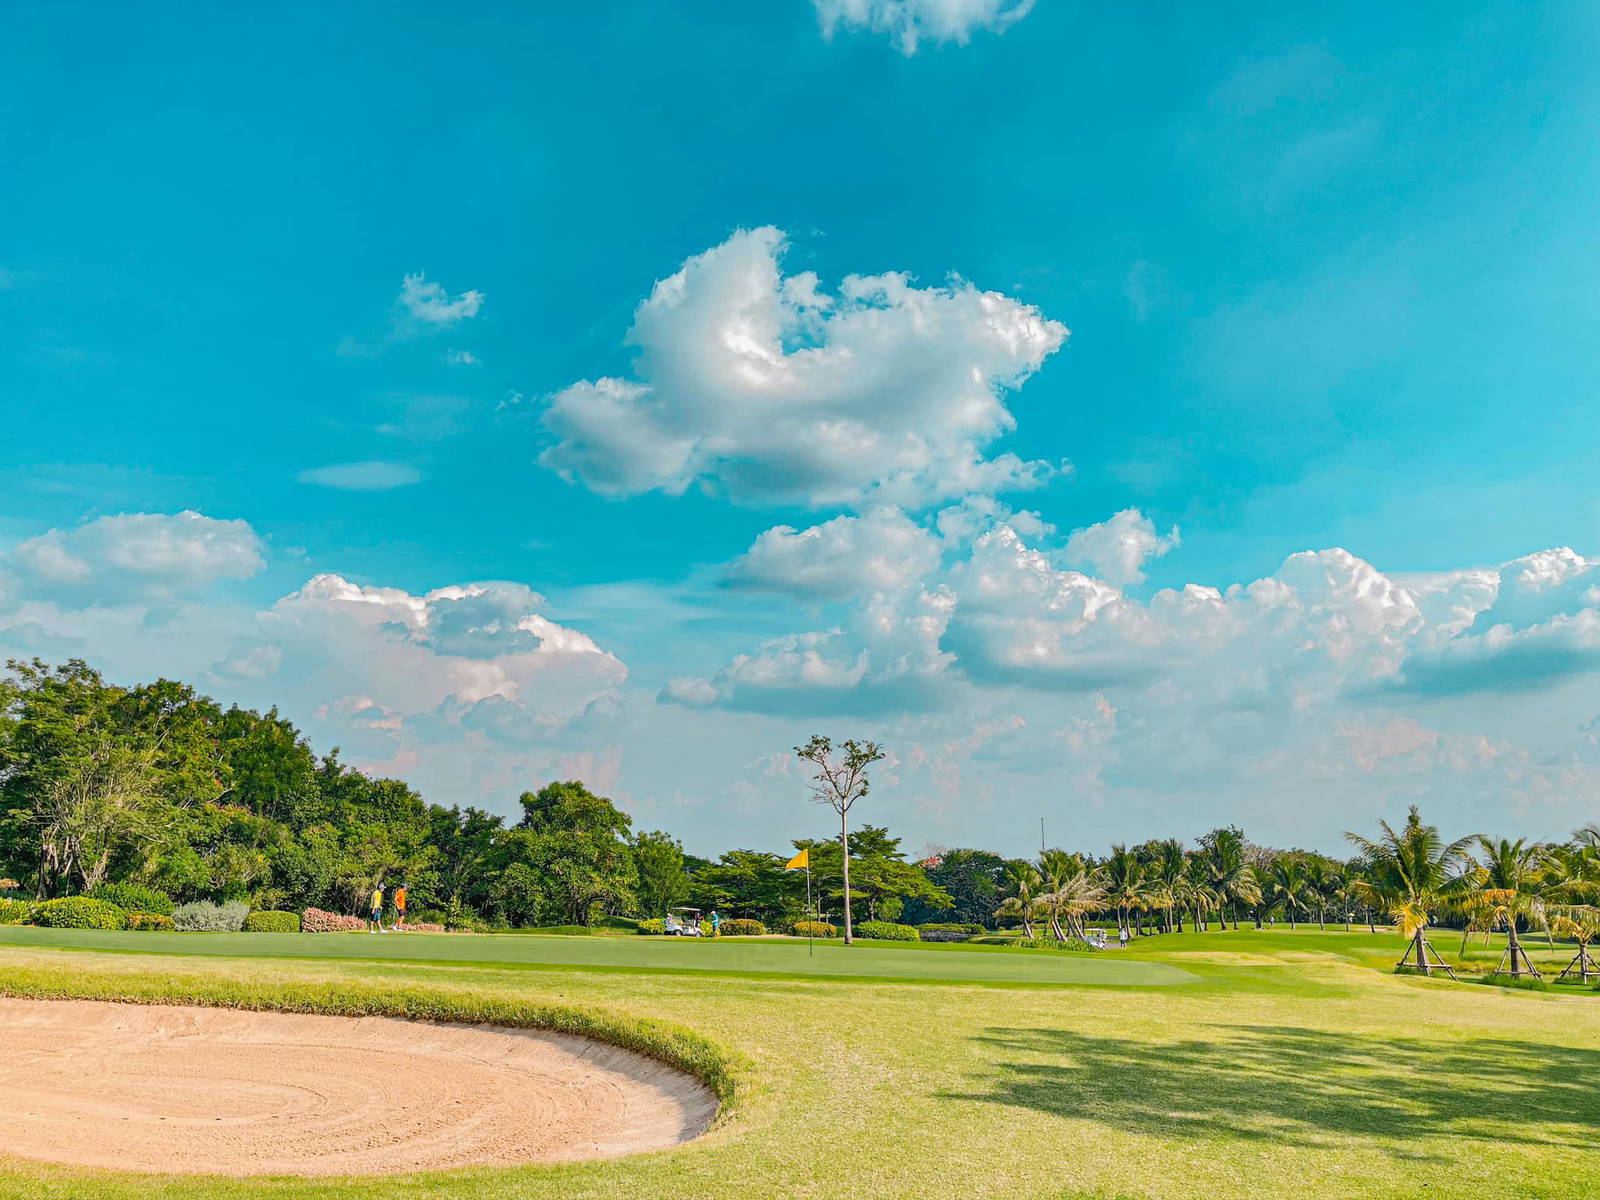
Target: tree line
[{"x": 161, "y": 786}]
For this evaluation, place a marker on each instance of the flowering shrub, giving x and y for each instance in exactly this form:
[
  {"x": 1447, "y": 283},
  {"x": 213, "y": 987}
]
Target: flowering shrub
[
  {"x": 316, "y": 920},
  {"x": 739, "y": 927},
  {"x": 888, "y": 931},
  {"x": 79, "y": 912},
  {"x": 272, "y": 922},
  {"x": 202, "y": 916},
  {"x": 149, "y": 922},
  {"x": 15, "y": 912},
  {"x": 816, "y": 929},
  {"x": 654, "y": 927},
  {"x": 424, "y": 927}
]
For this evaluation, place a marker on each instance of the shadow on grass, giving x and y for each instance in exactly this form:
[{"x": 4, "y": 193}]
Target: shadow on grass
[{"x": 1282, "y": 1085}]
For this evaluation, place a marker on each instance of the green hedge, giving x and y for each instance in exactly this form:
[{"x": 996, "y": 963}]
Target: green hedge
[
  {"x": 1076, "y": 945},
  {"x": 79, "y": 912},
  {"x": 15, "y": 912},
  {"x": 272, "y": 922},
  {"x": 740, "y": 927},
  {"x": 888, "y": 931},
  {"x": 133, "y": 897},
  {"x": 150, "y": 922},
  {"x": 816, "y": 929},
  {"x": 950, "y": 927}
]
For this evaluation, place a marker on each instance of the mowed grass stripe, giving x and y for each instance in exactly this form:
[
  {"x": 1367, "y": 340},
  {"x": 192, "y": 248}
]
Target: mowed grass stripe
[{"x": 729, "y": 957}]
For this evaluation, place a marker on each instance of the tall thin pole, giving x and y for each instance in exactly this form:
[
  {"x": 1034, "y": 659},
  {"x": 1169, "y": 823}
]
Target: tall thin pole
[
  {"x": 811, "y": 925},
  {"x": 1041, "y": 837}
]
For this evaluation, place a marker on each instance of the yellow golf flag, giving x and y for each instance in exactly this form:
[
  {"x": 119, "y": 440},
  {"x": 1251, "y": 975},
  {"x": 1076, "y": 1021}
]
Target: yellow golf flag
[{"x": 799, "y": 862}]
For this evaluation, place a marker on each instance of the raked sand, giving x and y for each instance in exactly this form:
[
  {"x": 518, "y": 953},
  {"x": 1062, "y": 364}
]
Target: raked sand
[{"x": 217, "y": 1091}]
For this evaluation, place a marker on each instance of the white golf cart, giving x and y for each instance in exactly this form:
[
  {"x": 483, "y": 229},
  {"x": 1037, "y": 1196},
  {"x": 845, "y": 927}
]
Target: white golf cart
[{"x": 684, "y": 922}]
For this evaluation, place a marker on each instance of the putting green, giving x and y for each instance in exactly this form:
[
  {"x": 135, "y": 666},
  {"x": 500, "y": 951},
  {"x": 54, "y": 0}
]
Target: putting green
[{"x": 946, "y": 964}]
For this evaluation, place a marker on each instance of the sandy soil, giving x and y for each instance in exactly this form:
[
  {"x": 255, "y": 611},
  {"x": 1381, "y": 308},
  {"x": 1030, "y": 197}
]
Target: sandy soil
[{"x": 196, "y": 1090}]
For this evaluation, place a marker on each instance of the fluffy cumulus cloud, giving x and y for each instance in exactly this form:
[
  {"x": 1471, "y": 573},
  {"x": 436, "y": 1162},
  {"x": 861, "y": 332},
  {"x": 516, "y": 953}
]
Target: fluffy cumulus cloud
[
  {"x": 131, "y": 556},
  {"x": 769, "y": 388},
  {"x": 1328, "y": 677},
  {"x": 1117, "y": 549},
  {"x": 880, "y": 551},
  {"x": 426, "y": 304},
  {"x": 910, "y": 22}
]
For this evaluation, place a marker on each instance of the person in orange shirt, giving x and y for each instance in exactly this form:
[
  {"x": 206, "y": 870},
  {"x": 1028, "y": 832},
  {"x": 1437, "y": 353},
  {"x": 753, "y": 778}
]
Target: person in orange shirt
[{"x": 400, "y": 908}]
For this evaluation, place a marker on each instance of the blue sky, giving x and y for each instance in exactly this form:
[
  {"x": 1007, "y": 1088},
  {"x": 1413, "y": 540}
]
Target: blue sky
[{"x": 1330, "y": 281}]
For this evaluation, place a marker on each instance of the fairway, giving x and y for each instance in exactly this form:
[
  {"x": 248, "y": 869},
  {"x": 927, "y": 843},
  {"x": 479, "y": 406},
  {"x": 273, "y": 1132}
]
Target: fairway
[
  {"x": 1289, "y": 1064},
  {"x": 947, "y": 964}
]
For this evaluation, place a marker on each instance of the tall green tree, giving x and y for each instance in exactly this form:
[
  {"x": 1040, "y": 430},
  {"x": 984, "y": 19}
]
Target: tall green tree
[
  {"x": 1411, "y": 873},
  {"x": 663, "y": 882},
  {"x": 975, "y": 881},
  {"x": 574, "y": 846}
]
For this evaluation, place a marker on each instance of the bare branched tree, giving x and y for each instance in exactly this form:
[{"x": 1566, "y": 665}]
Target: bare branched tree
[{"x": 839, "y": 782}]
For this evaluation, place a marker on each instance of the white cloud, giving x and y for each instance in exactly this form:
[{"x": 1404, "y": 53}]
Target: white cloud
[
  {"x": 908, "y": 22},
  {"x": 881, "y": 551},
  {"x": 766, "y": 387},
  {"x": 362, "y": 476},
  {"x": 429, "y": 304},
  {"x": 462, "y": 358},
  {"x": 1117, "y": 549},
  {"x": 131, "y": 556}
]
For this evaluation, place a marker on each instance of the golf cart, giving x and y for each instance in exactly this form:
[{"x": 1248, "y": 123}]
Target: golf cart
[
  {"x": 1095, "y": 938},
  {"x": 683, "y": 922}
]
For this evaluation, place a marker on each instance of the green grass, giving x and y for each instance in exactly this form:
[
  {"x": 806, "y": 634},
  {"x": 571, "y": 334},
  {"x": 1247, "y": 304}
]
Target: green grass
[
  {"x": 1288, "y": 1065},
  {"x": 933, "y": 963}
]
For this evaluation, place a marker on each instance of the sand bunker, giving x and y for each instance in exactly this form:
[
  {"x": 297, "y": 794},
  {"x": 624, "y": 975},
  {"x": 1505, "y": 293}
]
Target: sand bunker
[{"x": 199, "y": 1090}]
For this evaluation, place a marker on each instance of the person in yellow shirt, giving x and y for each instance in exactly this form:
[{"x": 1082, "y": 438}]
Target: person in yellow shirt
[
  {"x": 375, "y": 921},
  {"x": 400, "y": 908}
]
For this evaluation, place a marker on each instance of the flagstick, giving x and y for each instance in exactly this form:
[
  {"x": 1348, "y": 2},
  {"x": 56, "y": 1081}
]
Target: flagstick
[{"x": 811, "y": 951}]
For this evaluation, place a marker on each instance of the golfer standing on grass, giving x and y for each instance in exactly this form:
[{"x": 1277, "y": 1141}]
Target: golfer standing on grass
[
  {"x": 375, "y": 921},
  {"x": 399, "y": 906}
]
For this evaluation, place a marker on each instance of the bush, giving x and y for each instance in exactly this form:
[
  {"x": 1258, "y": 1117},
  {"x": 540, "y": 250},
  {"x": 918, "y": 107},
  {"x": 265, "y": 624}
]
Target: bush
[
  {"x": 951, "y": 927},
  {"x": 741, "y": 927},
  {"x": 816, "y": 929},
  {"x": 423, "y": 927},
  {"x": 653, "y": 927},
  {"x": 79, "y": 912},
  {"x": 15, "y": 912},
  {"x": 888, "y": 931},
  {"x": 201, "y": 916},
  {"x": 133, "y": 897},
  {"x": 1075, "y": 945},
  {"x": 272, "y": 922},
  {"x": 315, "y": 920},
  {"x": 149, "y": 922}
]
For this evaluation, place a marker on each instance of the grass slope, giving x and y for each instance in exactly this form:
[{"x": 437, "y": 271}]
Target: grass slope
[{"x": 1287, "y": 1067}]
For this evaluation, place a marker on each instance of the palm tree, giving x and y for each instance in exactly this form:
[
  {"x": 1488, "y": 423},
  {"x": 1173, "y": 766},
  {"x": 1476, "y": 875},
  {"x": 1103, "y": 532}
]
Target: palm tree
[
  {"x": 1071, "y": 892},
  {"x": 1166, "y": 877},
  {"x": 1290, "y": 887},
  {"x": 1125, "y": 886},
  {"x": 1410, "y": 874},
  {"x": 1023, "y": 902},
  {"x": 1506, "y": 886},
  {"x": 1581, "y": 923},
  {"x": 1228, "y": 874}
]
